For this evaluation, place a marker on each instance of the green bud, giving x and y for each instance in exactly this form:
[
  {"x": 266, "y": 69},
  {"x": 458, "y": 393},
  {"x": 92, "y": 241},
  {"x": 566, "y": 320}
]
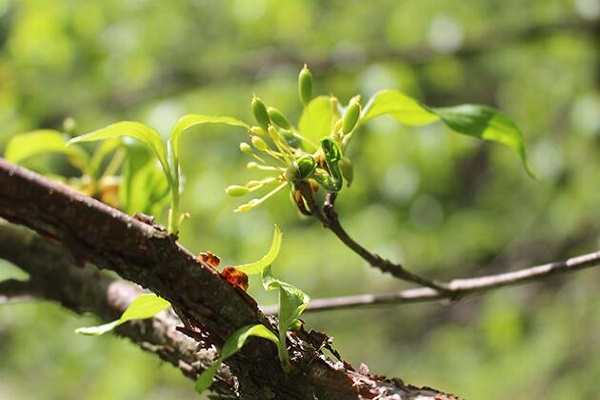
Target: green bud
[
  {"x": 260, "y": 112},
  {"x": 332, "y": 150},
  {"x": 257, "y": 130},
  {"x": 306, "y": 166},
  {"x": 276, "y": 137},
  {"x": 305, "y": 85},
  {"x": 237, "y": 191},
  {"x": 245, "y": 148},
  {"x": 291, "y": 138},
  {"x": 259, "y": 144},
  {"x": 254, "y": 184},
  {"x": 301, "y": 169},
  {"x": 351, "y": 116},
  {"x": 278, "y": 118}
]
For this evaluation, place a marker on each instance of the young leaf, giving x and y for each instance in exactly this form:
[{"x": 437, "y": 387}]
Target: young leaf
[
  {"x": 399, "y": 106},
  {"x": 144, "y": 187},
  {"x": 233, "y": 344},
  {"x": 132, "y": 129},
  {"x": 486, "y": 123},
  {"x": 267, "y": 259},
  {"x": 292, "y": 301},
  {"x": 144, "y": 306},
  {"x": 26, "y": 145},
  {"x": 315, "y": 121},
  {"x": 190, "y": 120}
]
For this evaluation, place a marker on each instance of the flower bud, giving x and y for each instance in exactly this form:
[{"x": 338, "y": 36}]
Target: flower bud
[
  {"x": 257, "y": 130},
  {"x": 278, "y": 118},
  {"x": 276, "y": 137},
  {"x": 245, "y": 148},
  {"x": 305, "y": 85},
  {"x": 260, "y": 112},
  {"x": 351, "y": 116},
  {"x": 237, "y": 191},
  {"x": 259, "y": 144}
]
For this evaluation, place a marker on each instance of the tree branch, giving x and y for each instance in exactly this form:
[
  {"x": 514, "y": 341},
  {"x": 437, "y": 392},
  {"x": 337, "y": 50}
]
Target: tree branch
[
  {"x": 457, "y": 288},
  {"x": 54, "y": 276},
  {"x": 99, "y": 235}
]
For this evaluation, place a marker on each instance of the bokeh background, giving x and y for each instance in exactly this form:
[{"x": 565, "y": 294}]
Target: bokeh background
[{"x": 444, "y": 205}]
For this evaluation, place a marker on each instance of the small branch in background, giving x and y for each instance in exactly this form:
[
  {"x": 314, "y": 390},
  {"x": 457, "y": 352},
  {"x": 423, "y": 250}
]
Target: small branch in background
[
  {"x": 14, "y": 291},
  {"x": 457, "y": 288}
]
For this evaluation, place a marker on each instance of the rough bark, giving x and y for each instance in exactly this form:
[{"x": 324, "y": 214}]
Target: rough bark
[{"x": 87, "y": 235}]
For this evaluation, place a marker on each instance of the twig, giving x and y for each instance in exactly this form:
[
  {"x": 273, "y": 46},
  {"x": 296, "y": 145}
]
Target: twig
[
  {"x": 331, "y": 221},
  {"x": 14, "y": 291},
  {"x": 458, "y": 288}
]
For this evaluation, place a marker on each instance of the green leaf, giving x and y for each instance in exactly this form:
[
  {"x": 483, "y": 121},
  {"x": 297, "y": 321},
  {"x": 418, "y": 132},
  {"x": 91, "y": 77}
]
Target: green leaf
[
  {"x": 144, "y": 187},
  {"x": 144, "y": 306},
  {"x": 486, "y": 123},
  {"x": 233, "y": 344},
  {"x": 399, "y": 106},
  {"x": 98, "y": 330},
  {"x": 267, "y": 259},
  {"x": 190, "y": 120},
  {"x": 26, "y": 145},
  {"x": 132, "y": 129},
  {"x": 315, "y": 121},
  {"x": 292, "y": 301}
]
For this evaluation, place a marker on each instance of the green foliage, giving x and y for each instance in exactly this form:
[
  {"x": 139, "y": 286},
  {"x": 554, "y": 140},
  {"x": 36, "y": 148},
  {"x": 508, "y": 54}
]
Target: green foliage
[
  {"x": 143, "y": 306},
  {"x": 292, "y": 301},
  {"x": 268, "y": 259},
  {"x": 232, "y": 345},
  {"x": 324, "y": 121},
  {"x": 485, "y": 123},
  {"x": 167, "y": 156}
]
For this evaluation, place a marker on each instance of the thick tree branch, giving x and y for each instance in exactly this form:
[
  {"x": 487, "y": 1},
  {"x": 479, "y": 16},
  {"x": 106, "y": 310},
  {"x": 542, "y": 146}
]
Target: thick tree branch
[
  {"x": 54, "y": 276},
  {"x": 97, "y": 234}
]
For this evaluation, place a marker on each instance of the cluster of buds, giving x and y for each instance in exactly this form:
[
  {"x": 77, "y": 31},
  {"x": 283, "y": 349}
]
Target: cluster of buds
[{"x": 280, "y": 149}]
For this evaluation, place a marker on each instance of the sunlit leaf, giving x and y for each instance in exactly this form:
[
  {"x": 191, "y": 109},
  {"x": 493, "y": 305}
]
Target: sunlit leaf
[
  {"x": 132, "y": 129},
  {"x": 26, "y": 145},
  {"x": 267, "y": 259},
  {"x": 233, "y": 344},
  {"x": 292, "y": 301},
  {"x": 315, "y": 121},
  {"x": 144, "y": 306},
  {"x": 399, "y": 106},
  {"x": 144, "y": 187},
  {"x": 190, "y": 120},
  {"x": 486, "y": 123}
]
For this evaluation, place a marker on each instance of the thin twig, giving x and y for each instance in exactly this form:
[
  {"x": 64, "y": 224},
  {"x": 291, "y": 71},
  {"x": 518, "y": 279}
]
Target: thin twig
[
  {"x": 15, "y": 291},
  {"x": 458, "y": 288},
  {"x": 332, "y": 222}
]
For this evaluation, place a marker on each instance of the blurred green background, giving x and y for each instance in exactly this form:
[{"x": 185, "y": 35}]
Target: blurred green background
[{"x": 445, "y": 205}]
